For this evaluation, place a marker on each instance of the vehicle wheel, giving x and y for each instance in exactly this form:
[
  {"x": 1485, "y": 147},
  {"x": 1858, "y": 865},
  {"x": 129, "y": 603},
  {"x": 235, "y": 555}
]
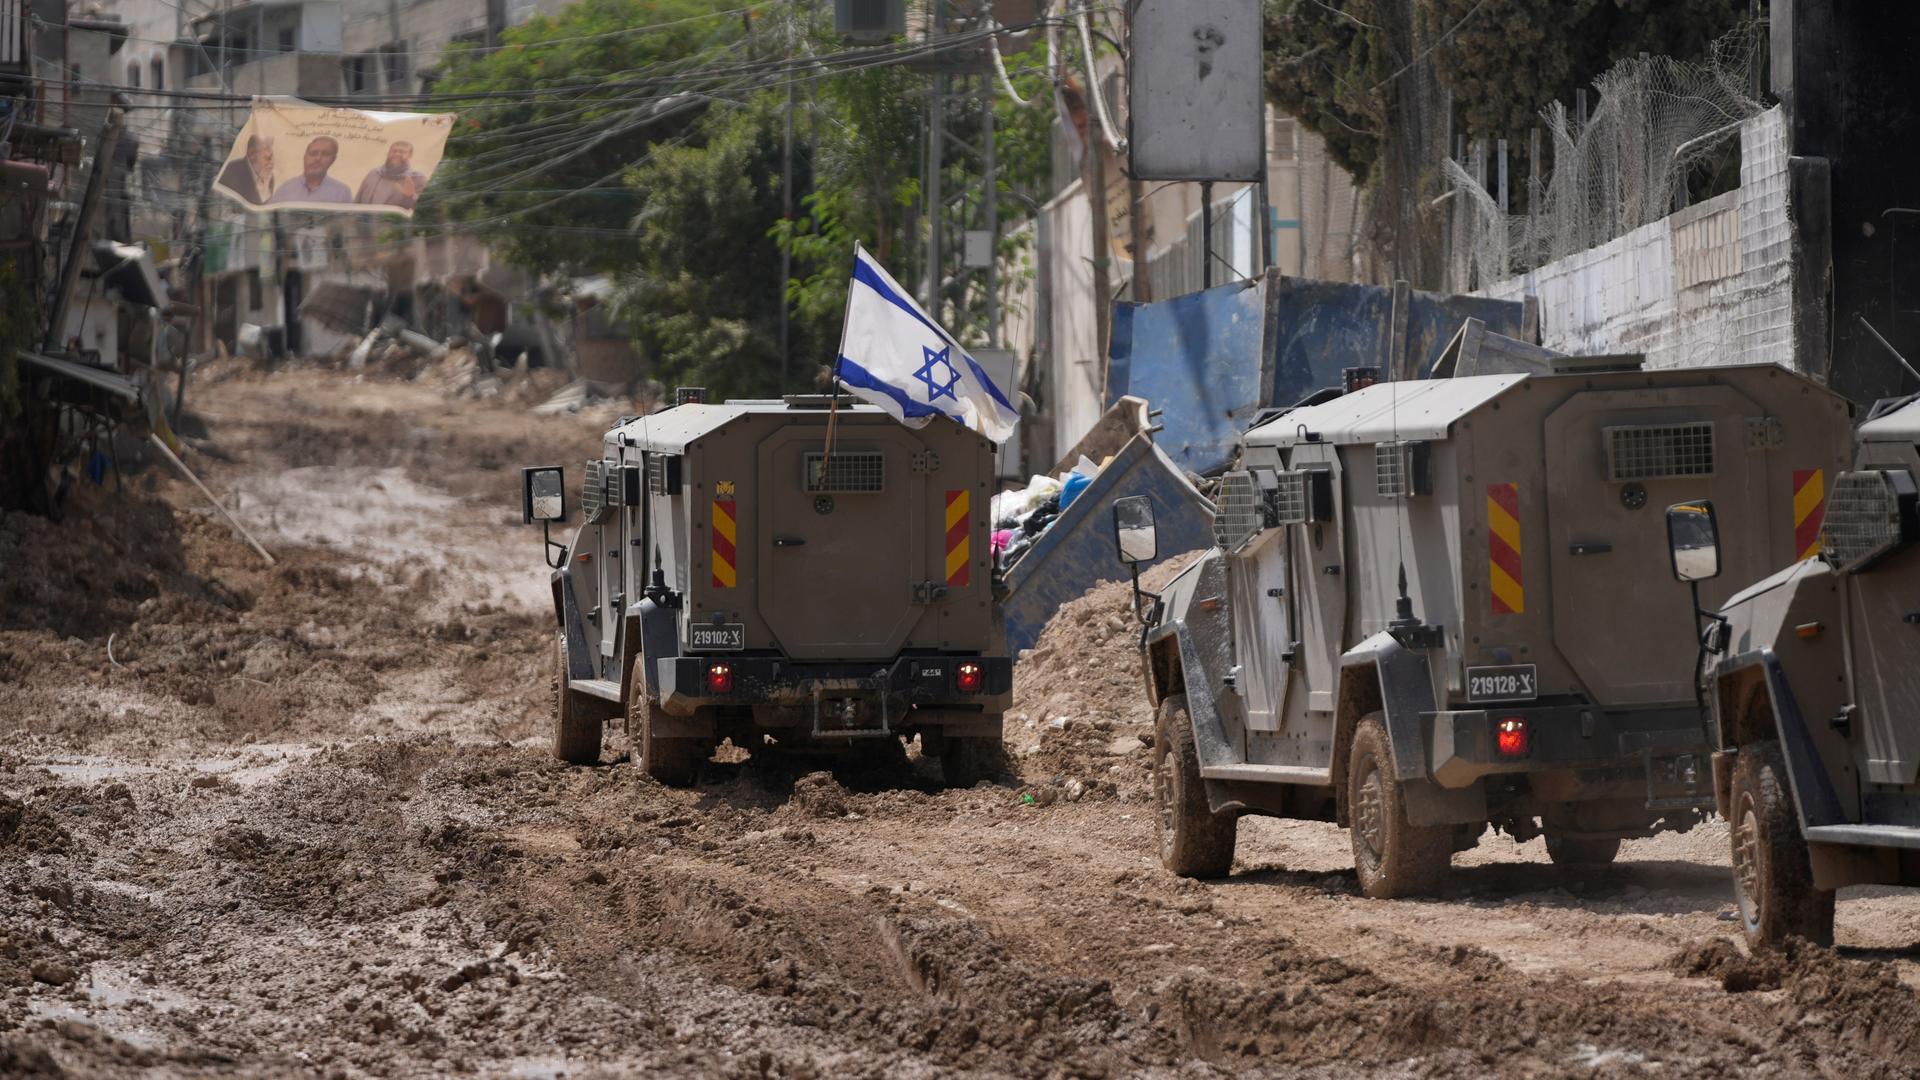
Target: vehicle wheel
[
  {"x": 673, "y": 762},
  {"x": 968, "y": 759},
  {"x": 1195, "y": 842},
  {"x": 1393, "y": 858},
  {"x": 576, "y": 731},
  {"x": 1772, "y": 876},
  {"x": 1582, "y": 850}
]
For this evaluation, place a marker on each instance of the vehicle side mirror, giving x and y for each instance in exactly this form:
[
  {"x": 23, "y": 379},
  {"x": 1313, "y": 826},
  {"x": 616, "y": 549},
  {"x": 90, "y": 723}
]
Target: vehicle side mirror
[
  {"x": 1133, "y": 532},
  {"x": 1693, "y": 541},
  {"x": 543, "y": 493}
]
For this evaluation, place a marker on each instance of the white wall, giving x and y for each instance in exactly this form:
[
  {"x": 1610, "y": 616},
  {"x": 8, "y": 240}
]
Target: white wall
[
  {"x": 1710, "y": 284},
  {"x": 1074, "y": 376}
]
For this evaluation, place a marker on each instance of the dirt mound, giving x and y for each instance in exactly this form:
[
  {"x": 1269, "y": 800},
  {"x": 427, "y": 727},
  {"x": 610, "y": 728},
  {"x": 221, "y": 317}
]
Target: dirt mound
[
  {"x": 1081, "y": 724},
  {"x": 818, "y": 795},
  {"x": 1834, "y": 1000},
  {"x": 25, "y": 827}
]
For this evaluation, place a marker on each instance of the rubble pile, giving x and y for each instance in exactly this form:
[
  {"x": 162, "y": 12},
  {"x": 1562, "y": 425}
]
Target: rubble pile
[{"x": 1081, "y": 724}]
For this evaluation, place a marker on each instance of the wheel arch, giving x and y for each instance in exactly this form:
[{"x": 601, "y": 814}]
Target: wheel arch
[
  {"x": 1166, "y": 675},
  {"x": 1359, "y": 695}
]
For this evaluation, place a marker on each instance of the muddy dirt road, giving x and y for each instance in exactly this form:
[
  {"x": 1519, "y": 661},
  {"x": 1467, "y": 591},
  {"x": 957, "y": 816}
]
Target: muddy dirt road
[{"x": 301, "y": 822}]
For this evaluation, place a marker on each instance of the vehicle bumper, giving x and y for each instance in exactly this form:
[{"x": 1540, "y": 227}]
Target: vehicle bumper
[
  {"x": 1667, "y": 744},
  {"x": 919, "y": 683}
]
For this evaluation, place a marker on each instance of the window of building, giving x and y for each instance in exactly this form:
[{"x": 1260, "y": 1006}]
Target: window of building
[
  {"x": 133, "y": 76},
  {"x": 359, "y": 73},
  {"x": 286, "y": 39},
  {"x": 159, "y": 73},
  {"x": 255, "y": 300},
  {"x": 394, "y": 65}
]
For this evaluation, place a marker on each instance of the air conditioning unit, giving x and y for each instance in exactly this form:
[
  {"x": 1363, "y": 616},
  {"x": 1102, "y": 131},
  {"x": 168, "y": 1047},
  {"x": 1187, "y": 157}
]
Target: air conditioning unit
[{"x": 869, "y": 20}]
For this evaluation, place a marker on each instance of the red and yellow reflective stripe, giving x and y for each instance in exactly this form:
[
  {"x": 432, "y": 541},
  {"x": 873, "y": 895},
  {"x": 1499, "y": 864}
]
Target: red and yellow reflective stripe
[
  {"x": 1506, "y": 585},
  {"x": 959, "y": 550},
  {"x": 1809, "y": 511},
  {"x": 724, "y": 576}
]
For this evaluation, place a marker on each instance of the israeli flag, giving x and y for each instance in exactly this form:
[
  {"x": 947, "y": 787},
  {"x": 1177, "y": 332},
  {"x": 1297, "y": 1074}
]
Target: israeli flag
[{"x": 893, "y": 355}]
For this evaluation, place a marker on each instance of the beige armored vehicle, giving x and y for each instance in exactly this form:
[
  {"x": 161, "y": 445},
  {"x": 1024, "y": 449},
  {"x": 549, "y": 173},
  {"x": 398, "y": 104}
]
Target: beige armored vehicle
[
  {"x": 1431, "y": 611},
  {"x": 1814, "y": 689},
  {"x": 735, "y": 577}
]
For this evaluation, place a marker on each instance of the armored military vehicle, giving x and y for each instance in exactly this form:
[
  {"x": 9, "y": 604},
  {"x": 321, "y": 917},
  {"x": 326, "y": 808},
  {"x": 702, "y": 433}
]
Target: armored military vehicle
[
  {"x": 739, "y": 574},
  {"x": 1814, "y": 688},
  {"x": 1430, "y": 611}
]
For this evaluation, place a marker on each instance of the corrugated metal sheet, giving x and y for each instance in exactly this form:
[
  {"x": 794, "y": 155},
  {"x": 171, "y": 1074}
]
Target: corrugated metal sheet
[
  {"x": 1211, "y": 361},
  {"x": 1386, "y": 411}
]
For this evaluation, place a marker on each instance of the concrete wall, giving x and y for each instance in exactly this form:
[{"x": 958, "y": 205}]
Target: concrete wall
[{"x": 1710, "y": 284}]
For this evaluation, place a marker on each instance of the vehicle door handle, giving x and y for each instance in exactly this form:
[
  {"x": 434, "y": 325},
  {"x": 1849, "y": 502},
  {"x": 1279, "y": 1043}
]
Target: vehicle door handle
[
  {"x": 788, "y": 541},
  {"x": 1600, "y": 548}
]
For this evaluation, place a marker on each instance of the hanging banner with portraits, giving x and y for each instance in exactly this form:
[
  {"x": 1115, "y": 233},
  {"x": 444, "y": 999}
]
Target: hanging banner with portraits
[{"x": 291, "y": 155}]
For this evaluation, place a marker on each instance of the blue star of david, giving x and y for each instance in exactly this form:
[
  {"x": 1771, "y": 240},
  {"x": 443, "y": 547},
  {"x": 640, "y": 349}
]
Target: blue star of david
[{"x": 927, "y": 374}]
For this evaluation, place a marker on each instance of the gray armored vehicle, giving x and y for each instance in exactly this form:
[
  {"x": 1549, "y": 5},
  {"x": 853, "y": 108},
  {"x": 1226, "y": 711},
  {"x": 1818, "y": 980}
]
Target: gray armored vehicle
[
  {"x": 1431, "y": 611},
  {"x": 736, "y": 576},
  {"x": 1814, "y": 689}
]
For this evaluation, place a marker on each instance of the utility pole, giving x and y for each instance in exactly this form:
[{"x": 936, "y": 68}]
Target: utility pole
[
  {"x": 786, "y": 208},
  {"x": 936, "y": 154},
  {"x": 1137, "y": 231},
  {"x": 961, "y": 193}
]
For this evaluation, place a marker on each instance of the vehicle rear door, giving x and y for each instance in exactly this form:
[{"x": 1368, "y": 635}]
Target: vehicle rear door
[
  {"x": 1615, "y": 460},
  {"x": 843, "y": 539}
]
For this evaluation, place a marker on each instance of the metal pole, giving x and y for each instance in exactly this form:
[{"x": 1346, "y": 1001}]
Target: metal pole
[
  {"x": 786, "y": 215},
  {"x": 990, "y": 191},
  {"x": 1206, "y": 234},
  {"x": 1264, "y": 228},
  {"x": 936, "y": 154},
  {"x": 77, "y": 244},
  {"x": 1503, "y": 175}
]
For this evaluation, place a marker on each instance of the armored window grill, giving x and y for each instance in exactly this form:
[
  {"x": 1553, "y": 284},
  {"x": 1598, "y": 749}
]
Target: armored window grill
[
  {"x": 1863, "y": 519},
  {"x": 663, "y": 474},
  {"x": 593, "y": 493},
  {"x": 846, "y": 471},
  {"x": 1289, "y": 499},
  {"x": 1237, "y": 516},
  {"x": 1660, "y": 451},
  {"x": 1390, "y": 470}
]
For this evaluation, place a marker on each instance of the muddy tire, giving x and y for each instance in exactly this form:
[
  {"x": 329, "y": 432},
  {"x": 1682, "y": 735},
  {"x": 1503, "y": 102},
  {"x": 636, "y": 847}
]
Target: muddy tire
[
  {"x": 1392, "y": 857},
  {"x": 1772, "y": 876},
  {"x": 1194, "y": 841},
  {"x": 1582, "y": 850},
  {"x": 968, "y": 759},
  {"x": 673, "y": 762},
  {"x": 576, "y": 730}
]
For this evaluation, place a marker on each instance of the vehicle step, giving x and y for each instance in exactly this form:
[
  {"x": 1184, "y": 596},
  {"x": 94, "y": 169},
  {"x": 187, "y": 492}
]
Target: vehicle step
[
  {"x": 600, "y": 688},
  {"x": 1268, "y": 774},
  {"x": 1893, "y": 836}
]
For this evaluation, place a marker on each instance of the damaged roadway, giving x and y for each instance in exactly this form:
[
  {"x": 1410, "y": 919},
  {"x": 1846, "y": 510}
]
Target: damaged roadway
[{"x": 303, "y": 822}]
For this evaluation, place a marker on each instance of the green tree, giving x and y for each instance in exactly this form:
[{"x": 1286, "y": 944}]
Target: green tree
[
  {"x": 701, "y": 288},
  {"x": 692, "y": 226},
  {"x": 560, "y": 110}
]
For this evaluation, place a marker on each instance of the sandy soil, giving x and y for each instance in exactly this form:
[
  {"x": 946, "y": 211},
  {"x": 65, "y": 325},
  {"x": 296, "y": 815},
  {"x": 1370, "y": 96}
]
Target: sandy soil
[{"x": 302, "y": 823}]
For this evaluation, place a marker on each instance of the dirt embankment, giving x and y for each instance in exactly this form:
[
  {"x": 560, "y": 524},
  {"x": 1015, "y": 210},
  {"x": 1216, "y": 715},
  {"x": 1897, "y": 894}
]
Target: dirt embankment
[{"x": 303, "y": 823}]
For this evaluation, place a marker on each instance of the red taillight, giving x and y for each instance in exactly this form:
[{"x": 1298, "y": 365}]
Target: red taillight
[
  {"x": 1512, "y": 737},
  {"x": 719, "y": 678},
  {"x": 969, "y": 677}
]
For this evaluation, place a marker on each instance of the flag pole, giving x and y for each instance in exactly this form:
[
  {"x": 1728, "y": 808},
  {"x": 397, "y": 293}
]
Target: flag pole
[
  {"x": 833, "y": 412},
  {"x": 833, "y": 409}
]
